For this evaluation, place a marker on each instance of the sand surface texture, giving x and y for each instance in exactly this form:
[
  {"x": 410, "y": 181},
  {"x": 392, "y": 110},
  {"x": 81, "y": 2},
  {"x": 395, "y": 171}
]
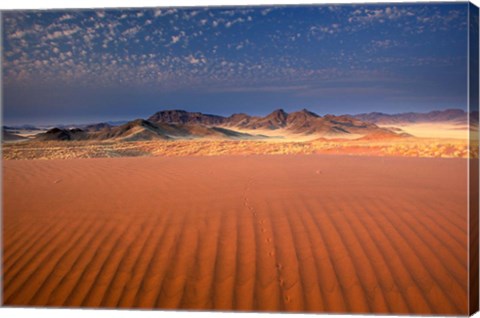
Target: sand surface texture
[{"x": 263, "y": 233}]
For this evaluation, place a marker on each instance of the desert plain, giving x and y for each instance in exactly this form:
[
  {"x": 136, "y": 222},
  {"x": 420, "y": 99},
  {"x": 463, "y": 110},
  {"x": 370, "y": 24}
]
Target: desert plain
[
  {"x": 306, "y": 233},
  {"x": 371, "y": 224}
]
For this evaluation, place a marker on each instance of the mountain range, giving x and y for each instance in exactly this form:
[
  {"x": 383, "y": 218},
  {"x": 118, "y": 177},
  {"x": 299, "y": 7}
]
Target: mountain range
[
  {"x": 141, "y": 129},
  {"x": 181, "y": 124},
  {"x": 455, "y": 116}
]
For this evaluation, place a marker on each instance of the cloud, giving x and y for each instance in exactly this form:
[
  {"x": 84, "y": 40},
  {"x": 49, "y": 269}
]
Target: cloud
[
  {"x": 65, "y": 17},
  {"x": 131, "y": 31},
  {"x": 266, "y": 11},
  {"x": 320, "y": 30},
  {"x": 175, "y": 38},
  {"x": 185, "y": 47},
  {"x": 62, "y": 33},
  {"x": 383, "y": 44},
  {"x": 17, "y": 35},
  {"x": 163, "y": 12},
  {"x": 193, "y": 60},
  {"x": 411, "y": 19}
]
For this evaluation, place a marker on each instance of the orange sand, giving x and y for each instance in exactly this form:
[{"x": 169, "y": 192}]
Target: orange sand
[{"x": 264, "y": 233}]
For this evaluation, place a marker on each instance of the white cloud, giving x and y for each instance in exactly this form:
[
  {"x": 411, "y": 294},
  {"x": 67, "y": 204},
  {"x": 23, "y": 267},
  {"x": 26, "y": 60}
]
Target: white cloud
[
  {"x": 266, "y": 11},
  {"x": 175, "y": 38},
  {"x": 66, "y": 17},
  {"x": 192, "y": 60},
  {"x": 383, "y": 44},
  {"x": 17, "y": 35},
  {"x": 163, "y": 12},
  {"x": 63, "y": 33},
  {"x": 131, "y": 31}
]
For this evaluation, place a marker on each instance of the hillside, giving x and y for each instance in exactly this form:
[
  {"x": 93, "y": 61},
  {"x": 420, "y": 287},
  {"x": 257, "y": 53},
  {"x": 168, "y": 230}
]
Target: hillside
[
  {"x": 180, "y": 124},
  {"x": 303, "y": 122},
  {"x": 141, "y": 129}
]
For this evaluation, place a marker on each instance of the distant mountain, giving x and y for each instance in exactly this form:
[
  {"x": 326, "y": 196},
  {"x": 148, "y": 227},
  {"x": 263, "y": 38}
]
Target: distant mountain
[
  {"x": 116, "y": 122},
  {"x": 180, "y": 124},
  {"x": 239, "y": 120},
  {"x": 276, "y": 120},
  {"x": 8, "y": 136},
  {"x": 141, "y": 129},
  {"x": 98, "y": 127},
  {"x": 457, "y": 116},
  {"x": 184, "y": 117},
  {"x": 138, "y": 129},
  {"x": 303, "y": 122},
  {"x": 56, "y": 134},
  {"x": 21, "y": 127}
]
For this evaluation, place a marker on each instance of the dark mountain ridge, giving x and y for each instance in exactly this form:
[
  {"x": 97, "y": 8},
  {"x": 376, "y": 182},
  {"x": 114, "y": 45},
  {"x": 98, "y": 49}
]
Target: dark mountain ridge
[
  {"x": 300, "y": 122},
  {"x": 456, "y": 116},
  {"x": 141, "y": 129},
  {"x": 180, "y": 124}
]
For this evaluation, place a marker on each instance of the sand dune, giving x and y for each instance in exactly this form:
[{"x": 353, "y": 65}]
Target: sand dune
[{"x": 264, "y": 233}]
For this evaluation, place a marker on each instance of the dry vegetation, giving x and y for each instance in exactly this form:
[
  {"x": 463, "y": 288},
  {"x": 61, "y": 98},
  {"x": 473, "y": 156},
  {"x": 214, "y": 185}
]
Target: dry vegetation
[{"x": 409, "y": 147}]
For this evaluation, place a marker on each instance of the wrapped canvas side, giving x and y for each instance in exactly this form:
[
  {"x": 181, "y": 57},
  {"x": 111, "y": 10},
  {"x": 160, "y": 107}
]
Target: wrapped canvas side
[{"x": 473, "y": 172}]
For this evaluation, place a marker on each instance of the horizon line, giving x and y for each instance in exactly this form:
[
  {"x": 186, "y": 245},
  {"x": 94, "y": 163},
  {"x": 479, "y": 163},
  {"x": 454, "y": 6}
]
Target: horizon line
[{"x": 87, "y": 122}]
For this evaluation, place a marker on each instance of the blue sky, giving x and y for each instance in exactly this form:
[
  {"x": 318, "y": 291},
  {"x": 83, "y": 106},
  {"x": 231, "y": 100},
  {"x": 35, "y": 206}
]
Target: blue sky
[{"x": 93, "y": 65}]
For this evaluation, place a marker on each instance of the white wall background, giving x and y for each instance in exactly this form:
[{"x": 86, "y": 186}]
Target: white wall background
[{"x": 77, "y": 313}]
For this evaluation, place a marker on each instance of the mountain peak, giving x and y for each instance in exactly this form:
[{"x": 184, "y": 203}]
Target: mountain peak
[
  {"x": 278, "y": 111},
  {"x": 304, "y": 113},
  {"x": 177, "y": 116},
  {"x": 276, "y": 119},
  {"x": 308, "y": 112}
]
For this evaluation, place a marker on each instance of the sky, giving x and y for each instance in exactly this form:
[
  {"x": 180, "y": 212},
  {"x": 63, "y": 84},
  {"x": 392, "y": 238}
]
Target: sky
[{"x": 80, "y": 66}]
